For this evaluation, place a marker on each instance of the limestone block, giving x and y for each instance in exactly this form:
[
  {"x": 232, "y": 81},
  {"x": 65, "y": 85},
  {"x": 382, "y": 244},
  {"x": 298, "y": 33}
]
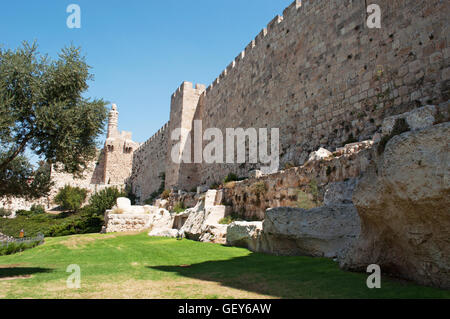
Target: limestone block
[
  {"x": 214, "y": 214},
  {"x": 210, "y": 198},
  {"x": 320, "y": 154},
  {"x": 325, "y": 231},
  {"x": 171, "y": 233},
  {"x": 214, "y": 233},
  {"x": 245, "y": 234},
  {"x": 403, "y": 202},
  {"x": 123, "y": 203}
]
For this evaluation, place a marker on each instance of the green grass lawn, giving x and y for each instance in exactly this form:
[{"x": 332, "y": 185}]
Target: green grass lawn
[{"x": 137, "y": 266}]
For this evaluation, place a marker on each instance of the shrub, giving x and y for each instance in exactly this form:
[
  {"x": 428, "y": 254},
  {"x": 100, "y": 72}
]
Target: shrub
[
  {"x": 71, "y": 198},
  {"x": 230, "y": 178},
  {"x": 84, "y": 223},
  {"x": 165, "y": 194},
  {"x": 12, "y": 247},
  {"x": 4, "y": 212},
  {"x": 259, "y": 188},
  {"x": 103, "y": 200},
  {"x": 229, "y": 219},
  {"x": 24, "y": 213},
  {"x": 214, "y": 186},
  {"x": 37, "y": 209},
  {"x": 179, "y": 207}
]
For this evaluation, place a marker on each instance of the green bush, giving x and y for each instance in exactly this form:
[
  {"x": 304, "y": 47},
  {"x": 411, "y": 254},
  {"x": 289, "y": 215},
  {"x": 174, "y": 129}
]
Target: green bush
[
  {"x": 71, "y": 198},
  {"x": 230, "y": 178},
  {"x": 85, "y": 223},
  {"x": 12, "y": 247},
  {"x": 25, "y": 213},
  {"x": 103, "y": 200},
  {"x": 179, "y": 207},
  {"x": 37, "y": 209}
]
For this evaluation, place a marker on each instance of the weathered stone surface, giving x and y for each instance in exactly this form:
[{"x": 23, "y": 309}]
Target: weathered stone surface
[
  {"x": 123, "y": 203},
  {"x": 320, "y": 154},
  {"x": 403, "y": 201},
  {"x": 245, "y": 234},
  {"x": 161, "y": 219},
  {"x": 214, "y": 233},
  {"x": 417, "y": 119},
  {"x": 192, "y": 228},
  {"x": 322, "y": 232},
  {"x": 126, "y": 222},
  {"x": 255, "y": 174},
  {"x": 339, "y": 192},
  {"x": 172, "y": 233},
  {"x": 214, "y": 214}
]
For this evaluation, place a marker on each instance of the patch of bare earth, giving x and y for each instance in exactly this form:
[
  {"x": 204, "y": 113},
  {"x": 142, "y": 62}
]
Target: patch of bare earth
[
  {"x": 81, "y": 241},
  {"x": 148, "y": 289}
]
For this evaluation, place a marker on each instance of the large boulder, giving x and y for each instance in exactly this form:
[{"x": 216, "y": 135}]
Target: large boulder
[
  {"x": 214, "y": 233},
  {"x": 160, "y": 219},
  {"x": 192, "y": 227},
  {"x": 403, "y": 201},
  {"x": 325, "y": 231},
  {"x": 245, "y": 234}
]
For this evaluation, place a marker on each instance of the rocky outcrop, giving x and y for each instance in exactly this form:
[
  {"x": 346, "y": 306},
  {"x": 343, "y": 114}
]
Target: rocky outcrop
[
  {"x": 325, "y": 231},
  {"x": 403, "y": 201},
  {"x": 202, "y": 222}
]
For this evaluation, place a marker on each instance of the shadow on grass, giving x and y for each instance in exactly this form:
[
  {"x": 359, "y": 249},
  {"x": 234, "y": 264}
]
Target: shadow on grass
[
  {"x": 296, "y": 277},
  {"x": 11, "y": 272}
]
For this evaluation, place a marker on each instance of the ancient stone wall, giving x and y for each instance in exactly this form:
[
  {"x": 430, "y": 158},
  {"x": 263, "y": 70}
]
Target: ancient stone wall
[
  {"x": 321, "y": 76},
  {"x": 149, "y": 163},
  {"x": 324, "y": 78},
  {"x": 183, "y": 108}
]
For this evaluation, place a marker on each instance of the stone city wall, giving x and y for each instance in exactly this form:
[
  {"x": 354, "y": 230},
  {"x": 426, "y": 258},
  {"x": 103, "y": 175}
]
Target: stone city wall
[
  {"x": 149, "y": 162},
  {"x": 322, "y": 77}
]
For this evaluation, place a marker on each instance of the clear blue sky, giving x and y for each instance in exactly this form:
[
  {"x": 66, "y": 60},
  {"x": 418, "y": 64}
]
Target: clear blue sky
[{"x": 142, "y": 50}]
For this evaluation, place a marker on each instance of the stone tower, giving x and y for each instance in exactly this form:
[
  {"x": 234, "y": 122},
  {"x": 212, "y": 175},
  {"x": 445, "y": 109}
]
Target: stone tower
[
  {"x": 113, "y": 120},
  {"x": 118, "y": 151}
]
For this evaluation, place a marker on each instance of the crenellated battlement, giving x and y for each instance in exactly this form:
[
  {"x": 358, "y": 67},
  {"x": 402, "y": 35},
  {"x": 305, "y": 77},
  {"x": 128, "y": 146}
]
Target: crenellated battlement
[
  {"x": 162, "y": 130},
  {"x": 312, "y": 72},
  {"x": 259, "y": 40},
  {"x": 187, "y": 87}
]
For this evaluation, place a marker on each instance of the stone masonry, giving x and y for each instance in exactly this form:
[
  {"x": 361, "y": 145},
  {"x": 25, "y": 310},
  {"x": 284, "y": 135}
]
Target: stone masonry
[{"x": 317, "y": 73}]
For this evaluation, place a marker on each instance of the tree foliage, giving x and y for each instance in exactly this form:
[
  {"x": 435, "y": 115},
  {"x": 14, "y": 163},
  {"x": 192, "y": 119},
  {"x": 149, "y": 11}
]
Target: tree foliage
[{"x": 43, "y": 110}]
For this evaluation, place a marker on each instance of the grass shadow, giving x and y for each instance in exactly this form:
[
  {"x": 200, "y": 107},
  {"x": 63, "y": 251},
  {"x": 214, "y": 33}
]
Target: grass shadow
[
  {"x": 11, "y": 272},
  {"x": 296, "y": 277}
]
